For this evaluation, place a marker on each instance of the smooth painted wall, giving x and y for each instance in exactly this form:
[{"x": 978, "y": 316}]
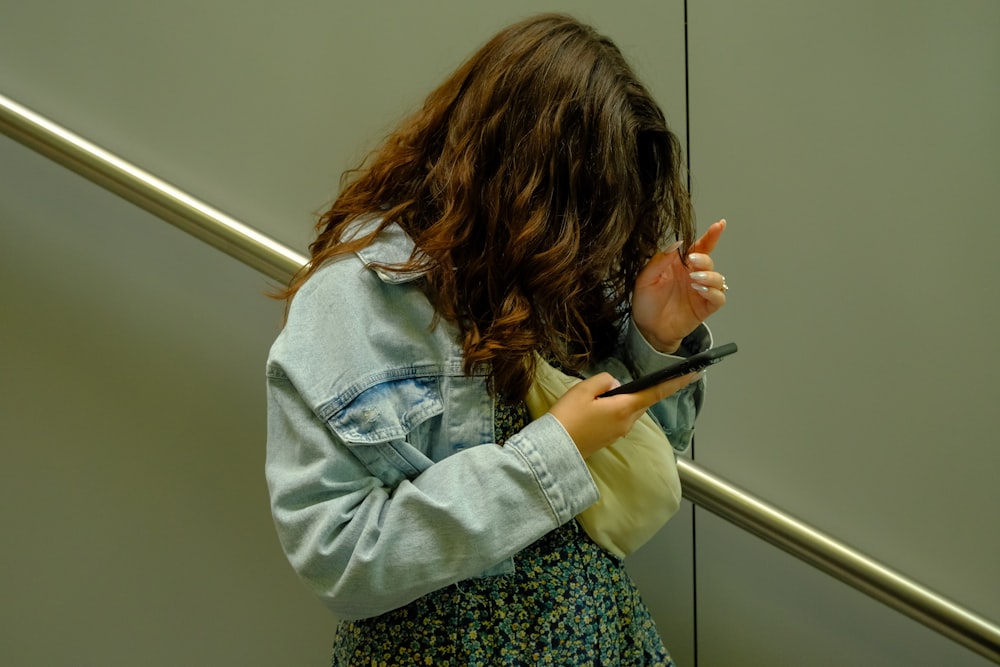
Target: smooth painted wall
[{"x": 855, "y": 150}]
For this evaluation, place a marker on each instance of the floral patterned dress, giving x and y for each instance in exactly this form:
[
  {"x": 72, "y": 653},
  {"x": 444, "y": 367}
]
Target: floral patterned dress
[{"x": 568, "y": 603}]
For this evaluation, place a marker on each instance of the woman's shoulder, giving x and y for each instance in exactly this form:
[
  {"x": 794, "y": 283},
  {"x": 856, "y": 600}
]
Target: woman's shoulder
[
  {"x": 349, "y": 272},
  {"x": 352, "y": 310}
]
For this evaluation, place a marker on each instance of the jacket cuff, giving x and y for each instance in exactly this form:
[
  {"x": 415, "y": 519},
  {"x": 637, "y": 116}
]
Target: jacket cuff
[
  {"x": 557, "y": 465},
  {"x": 646, "y": 359}
]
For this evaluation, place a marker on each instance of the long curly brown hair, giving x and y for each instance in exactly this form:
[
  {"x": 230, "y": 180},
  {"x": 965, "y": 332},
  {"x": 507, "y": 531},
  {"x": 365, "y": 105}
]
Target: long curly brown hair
[{"x": 536, "y": 182}]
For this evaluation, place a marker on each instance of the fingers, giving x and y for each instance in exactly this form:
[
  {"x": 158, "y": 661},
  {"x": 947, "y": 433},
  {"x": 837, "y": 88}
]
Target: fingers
[
  {"x": 698, "y": 258},
  {"x": 705, "y": 280},
  {"x": 710, "y": 284},
  {"x": 596, "y": 385},
  {"x": 710, "y": 238},
  {"x": 638, "y": 402},
  {"x": 652, "y": 395},
  {"x": 713, "y": 290}
]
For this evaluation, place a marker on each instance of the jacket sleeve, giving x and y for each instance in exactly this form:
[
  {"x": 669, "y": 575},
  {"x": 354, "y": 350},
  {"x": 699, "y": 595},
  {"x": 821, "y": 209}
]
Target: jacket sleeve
[
  {"x": 675, "y": 414},
  {"x": 366, "y": 546}
]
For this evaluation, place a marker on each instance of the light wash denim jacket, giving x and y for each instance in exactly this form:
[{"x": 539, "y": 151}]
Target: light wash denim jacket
[{"x": 384, "y": 480}]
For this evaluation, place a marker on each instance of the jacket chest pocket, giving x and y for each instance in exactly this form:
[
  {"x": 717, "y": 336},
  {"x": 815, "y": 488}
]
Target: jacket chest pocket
[{"x": 379, "y": 426}]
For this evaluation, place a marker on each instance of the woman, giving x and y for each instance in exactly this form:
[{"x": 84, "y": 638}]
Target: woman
[{"x": 519, "y": 211}]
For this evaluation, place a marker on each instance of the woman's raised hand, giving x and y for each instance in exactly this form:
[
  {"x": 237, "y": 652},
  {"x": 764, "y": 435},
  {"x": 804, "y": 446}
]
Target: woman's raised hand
[
  {"x": 595, "y": 423},
  {"x": 670, "y": 299}
]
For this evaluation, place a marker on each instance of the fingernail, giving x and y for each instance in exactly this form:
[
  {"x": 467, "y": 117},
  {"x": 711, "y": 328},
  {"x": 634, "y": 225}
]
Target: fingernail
[
  {"x": 697, "y": 257},
  {"x": 699, "y": 287},
  {"x": 673, "y": 246},
  {"x": 699, "y": 275}
]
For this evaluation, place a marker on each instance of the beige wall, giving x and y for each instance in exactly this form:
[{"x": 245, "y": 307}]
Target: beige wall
[
  {"x": 855, "y": 149},
  {"x": 852, "y": 146}
]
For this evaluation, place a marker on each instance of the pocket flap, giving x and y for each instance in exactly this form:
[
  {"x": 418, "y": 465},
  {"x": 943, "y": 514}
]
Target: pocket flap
[{"x": 387, "y": 411}]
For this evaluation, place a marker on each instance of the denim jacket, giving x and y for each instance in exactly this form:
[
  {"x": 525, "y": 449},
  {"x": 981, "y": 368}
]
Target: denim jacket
[{"x": 384, "y": 478}]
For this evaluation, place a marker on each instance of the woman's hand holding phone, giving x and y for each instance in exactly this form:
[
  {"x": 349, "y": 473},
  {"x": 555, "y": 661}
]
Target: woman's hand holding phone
[{"x": 594, "y": 422}]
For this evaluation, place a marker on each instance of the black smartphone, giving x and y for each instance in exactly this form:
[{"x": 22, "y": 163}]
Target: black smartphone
[{"x": 693, "y": 363}]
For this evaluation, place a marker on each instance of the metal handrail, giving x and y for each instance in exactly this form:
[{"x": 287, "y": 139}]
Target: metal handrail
[
  {"x": 839, "y": 560},
  {"x": 699, "y": 486},
  {"x": 148, "y": 192}
]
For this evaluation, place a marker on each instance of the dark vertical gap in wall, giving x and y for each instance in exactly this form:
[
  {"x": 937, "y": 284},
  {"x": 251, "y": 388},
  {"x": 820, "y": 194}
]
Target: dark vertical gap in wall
[
  {"x": 687, "y": 100},
  {"x": 694, "y": 512}
]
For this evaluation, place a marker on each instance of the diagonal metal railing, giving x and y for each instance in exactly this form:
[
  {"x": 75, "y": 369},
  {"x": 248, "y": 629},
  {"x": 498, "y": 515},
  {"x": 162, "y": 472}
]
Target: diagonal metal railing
[
  {"x": 700, "y": 486},
  {"x": 148, "y": 192}
]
